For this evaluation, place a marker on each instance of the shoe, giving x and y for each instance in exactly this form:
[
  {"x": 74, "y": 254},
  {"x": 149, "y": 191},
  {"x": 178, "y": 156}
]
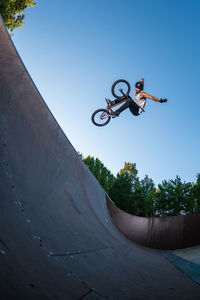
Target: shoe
[{"x": 114, "y": 114}]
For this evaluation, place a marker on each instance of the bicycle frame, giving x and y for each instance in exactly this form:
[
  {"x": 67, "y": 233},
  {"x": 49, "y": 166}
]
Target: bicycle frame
[{"x": 109, "y": 107}]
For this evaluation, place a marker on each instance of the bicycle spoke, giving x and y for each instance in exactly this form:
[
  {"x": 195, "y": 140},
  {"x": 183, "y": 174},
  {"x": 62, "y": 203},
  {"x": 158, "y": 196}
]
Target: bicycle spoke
[
  {"x": 120, "y": 88},
  {"x": 123, "y": 86},
  {"x": 101, "y": 118},
  {"x": 104, "y": 116}
]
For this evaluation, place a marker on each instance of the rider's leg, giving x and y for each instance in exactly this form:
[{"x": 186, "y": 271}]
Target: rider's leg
[
  {"x": 127, "y": 104},
  {"x": 116, "y": 101},
  {"x": 113, "y": 102},
  {"x": 134, "y": 109}
]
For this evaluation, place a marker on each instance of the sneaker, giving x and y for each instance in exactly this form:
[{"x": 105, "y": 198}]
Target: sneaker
[{"x": 114, "y": 114}]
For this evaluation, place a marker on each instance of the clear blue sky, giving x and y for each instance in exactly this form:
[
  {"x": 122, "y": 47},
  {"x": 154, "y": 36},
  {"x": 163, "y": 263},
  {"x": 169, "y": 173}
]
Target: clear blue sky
[{"x": 75, "y": 50}]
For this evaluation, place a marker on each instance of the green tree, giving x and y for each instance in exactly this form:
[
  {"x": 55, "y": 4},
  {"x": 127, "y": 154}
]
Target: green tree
[
  {"x": 12, "y": 12},
  {"x": 121, "y": 191},
  {"x": 173, "y": 198},
  {"x": 140, "y": 197},
  {"x": 195, "y": 195},
  {"x": 130, "y": 169},
  {"x": 144, "y": 197},
  {"x": 133, "y": 195},
  {"x": 102, "y": 174}
]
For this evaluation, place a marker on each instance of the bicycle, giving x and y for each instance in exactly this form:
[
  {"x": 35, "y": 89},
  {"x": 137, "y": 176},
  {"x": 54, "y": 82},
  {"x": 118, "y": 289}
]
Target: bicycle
[{"x": 120, "y": 90}]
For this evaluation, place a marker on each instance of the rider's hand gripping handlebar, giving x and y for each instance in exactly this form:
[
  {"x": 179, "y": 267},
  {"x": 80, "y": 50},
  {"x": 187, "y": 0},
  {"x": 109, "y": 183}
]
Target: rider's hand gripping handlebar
[{"x": 162, "y": 100}]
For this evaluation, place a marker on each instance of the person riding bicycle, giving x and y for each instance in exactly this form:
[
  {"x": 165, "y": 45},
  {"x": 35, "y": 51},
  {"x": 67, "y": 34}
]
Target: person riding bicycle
[{"x": 137, "y": 104}]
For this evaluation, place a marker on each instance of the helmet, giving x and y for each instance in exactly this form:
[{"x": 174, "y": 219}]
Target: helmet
[{"x": 140, "y": 84}]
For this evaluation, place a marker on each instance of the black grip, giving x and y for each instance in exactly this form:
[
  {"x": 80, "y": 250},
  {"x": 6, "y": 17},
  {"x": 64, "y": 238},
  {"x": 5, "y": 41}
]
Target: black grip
[{"x": 163, "y": 100}]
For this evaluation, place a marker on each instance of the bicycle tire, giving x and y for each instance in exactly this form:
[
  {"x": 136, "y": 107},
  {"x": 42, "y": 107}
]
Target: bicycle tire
[
  {"x": 101, "y": 110},
  {"x": 115, "y": 91}
]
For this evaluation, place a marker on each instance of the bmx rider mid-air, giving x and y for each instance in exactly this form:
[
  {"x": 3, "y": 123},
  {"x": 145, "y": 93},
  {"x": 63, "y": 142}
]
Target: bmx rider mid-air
[
  {"x": 137, "y": 104},
  {"x": 121, "y": 90}
]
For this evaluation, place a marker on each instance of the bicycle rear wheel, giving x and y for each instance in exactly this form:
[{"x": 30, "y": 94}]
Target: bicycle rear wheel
[
  {"x": 120, "y": 84},
  {"x": 100, "y": 117}
]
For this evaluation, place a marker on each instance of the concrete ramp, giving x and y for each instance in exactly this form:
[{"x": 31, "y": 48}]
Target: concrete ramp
[
  {"x": 166, "y": 233},
  {"x": 57, "y": 239}
]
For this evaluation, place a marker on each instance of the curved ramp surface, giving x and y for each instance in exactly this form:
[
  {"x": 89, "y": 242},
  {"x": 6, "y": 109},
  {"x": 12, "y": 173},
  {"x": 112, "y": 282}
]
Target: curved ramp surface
[
  {"x": 57, "y": 240},
  {"x": 165, "y": 233}
]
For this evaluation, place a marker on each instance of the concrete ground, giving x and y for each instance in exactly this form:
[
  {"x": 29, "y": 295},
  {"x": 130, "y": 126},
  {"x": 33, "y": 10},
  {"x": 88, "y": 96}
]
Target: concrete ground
[{"x": 191, "y": 254}]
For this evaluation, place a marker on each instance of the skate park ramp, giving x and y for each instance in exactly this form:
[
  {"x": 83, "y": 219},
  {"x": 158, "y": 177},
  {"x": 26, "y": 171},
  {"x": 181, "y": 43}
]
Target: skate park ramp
[{"x": 59, "y": 231}]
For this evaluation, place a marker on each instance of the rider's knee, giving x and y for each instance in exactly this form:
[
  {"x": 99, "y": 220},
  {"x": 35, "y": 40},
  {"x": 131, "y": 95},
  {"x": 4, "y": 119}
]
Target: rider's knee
[{"x": 129, "y": 101}]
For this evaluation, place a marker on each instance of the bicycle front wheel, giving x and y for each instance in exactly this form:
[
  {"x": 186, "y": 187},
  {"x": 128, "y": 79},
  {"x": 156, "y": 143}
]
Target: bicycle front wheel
[
  {"x": 100, "y": 117},
  {"x": 118, "y": 85}
]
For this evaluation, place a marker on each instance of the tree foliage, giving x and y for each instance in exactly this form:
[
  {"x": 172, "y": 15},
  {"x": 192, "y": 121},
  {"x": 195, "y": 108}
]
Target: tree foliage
[
  {"x": 130, "y": 170},
  {"x": 174, "y": 197},
  {"x": 141, "y": 197},
  {"x": 121, "y": 191},
  {"x": 144, "y": 197},
  {"x": 12, "y": 12},
  {"x": 195, "y": 195},
  {"x": 102, "y": 174}
]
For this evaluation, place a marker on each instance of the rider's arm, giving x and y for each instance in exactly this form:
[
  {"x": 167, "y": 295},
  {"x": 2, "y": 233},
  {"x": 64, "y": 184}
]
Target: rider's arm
[{"x": 145, "y": 95}]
